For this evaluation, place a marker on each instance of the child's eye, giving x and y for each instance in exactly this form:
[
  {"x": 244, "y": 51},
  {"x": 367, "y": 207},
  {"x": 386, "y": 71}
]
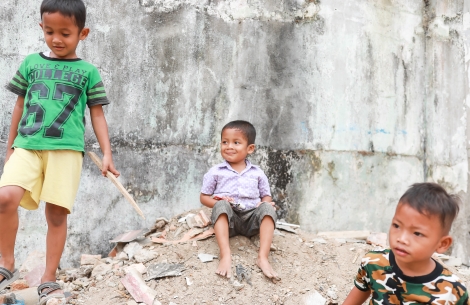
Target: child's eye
[
  {"x": 395, "y": 225},
  {"x": 49, "y": 33},
  {"x": 418, "y": 234},
  {"x": 236, "y": 142},
  {"x": 66, "y": 35}
]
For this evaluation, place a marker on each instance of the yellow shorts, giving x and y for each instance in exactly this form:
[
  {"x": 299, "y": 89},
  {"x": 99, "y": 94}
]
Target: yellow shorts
[{"x": 49, "y": 175}]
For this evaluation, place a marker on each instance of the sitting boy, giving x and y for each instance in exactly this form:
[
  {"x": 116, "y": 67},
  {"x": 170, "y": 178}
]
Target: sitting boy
[
  {"x": 406, "y": 273},
  {"x": 240, "y": 197}
]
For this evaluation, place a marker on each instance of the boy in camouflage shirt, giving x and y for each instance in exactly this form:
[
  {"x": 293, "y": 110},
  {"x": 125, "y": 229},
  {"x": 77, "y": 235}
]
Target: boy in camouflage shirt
[{"x": 406, "y": 273}]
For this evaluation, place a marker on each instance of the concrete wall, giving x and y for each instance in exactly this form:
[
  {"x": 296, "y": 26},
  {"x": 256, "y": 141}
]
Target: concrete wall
[{"x": 353, "y": 102}]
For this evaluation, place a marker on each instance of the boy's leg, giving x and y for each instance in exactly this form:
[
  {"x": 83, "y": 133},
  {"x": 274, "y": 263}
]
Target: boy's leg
[
  {"x": 266, "y": 233},
  {"x": 222, "y": 235},
  {"x": 222, "y": 216},
  {"x": 56, "y": 217},
  {"x": 10, "y": 197}
]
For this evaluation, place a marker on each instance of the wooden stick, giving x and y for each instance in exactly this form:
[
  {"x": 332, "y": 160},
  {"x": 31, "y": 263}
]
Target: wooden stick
[{"x": 94, "y": 157}]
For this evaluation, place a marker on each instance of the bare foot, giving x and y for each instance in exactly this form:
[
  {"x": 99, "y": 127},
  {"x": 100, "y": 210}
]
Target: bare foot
[
  {"x": 225, "y": 267},
  {"x": 268, "y": 271}
]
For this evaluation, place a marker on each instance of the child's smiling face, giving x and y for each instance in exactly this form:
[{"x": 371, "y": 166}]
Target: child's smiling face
[
  {"x": 414, "y": 237},
  {"x": 234, "y": 146},
  {"x": 62, "y": 34}
]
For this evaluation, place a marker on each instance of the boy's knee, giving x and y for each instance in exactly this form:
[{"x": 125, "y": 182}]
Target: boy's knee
[
  {"x": 7, "y": 201},
  {"x": 222, "y": 204},
  {"x": 56, "y": 215}
]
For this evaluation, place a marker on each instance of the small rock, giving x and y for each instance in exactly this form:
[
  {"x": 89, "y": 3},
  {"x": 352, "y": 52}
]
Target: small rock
[
  {"x": 237, "y": 285},
  {"x": 319, "y": 240},
  {"x": 172, "y": 228},
  {"x": 101, "y": 269},
  {"x": 88, "y": 259},
  {"x": 19, "y": 285},
  {"x": 122, "y": 256},
  {"x": 275, "y": 298}
]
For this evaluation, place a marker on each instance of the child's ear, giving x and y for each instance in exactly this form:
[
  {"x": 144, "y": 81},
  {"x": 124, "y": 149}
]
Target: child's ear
[
  {"x": 444, "y": 244},
  {"x": 40, "y": 24},
  {"x": 84, "y": 33},
  {"x": 251, "y": 148}
]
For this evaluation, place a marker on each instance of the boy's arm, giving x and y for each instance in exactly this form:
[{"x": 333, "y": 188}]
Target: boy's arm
[
  {"x": 356, "y": 297},
  {"x": 98, "y": 121},
  {"x": 207, "y": 200},
  {"x": 15, "y": 121}
]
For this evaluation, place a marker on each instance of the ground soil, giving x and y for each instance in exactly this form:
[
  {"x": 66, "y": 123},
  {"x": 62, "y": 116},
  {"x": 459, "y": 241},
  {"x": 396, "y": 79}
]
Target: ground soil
[{"x": 305, "y": 267}]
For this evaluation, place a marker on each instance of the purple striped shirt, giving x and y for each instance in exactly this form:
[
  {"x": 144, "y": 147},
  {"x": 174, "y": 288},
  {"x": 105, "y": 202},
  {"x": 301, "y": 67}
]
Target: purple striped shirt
[{"x": 247, "y": 187}]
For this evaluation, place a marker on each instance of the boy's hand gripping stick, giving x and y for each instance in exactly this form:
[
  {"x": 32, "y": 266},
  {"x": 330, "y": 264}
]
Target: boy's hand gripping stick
[{"x": 116, "y": 182}]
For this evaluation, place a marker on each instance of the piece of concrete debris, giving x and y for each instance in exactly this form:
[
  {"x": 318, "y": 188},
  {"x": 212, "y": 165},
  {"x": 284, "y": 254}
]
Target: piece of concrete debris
[
  {"x": 101, "y": 269},
  {"x": 206, "y": 257},
  {"x": 144, "y": 256},
  {"x": 130, "y": 236},
  {"x": 332, "y": 292},
  {"x": 156, "y": 271},
  {"x": 319, "y": 240},
  {"x": 139, "y": 267},
  {"x": 19, "y": 285},
  {"x": 34, "y": 259},
  {"x": 278, "y": 233},
  {"x": 314, "y": 298},
  {"x": 243, "y": 273},
  {"x": 136, "y": 286},
  {"x": 34, "y": 276},
  {"x": 122, "y": 256},
  {"x": 237, "y": 285},
  {"x": 345, "y": 234},
  {"x": 132, "y": 248},
  {"x": 286, "y": 228},
  {"x": 189, "y": 282},
  {"x": 89, "y": 259},
  {"x": 377, "y": 239}
]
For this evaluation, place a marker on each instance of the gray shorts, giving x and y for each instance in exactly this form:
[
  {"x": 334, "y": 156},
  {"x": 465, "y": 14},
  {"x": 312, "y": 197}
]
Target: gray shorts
[{"x": 246, "y": 223}]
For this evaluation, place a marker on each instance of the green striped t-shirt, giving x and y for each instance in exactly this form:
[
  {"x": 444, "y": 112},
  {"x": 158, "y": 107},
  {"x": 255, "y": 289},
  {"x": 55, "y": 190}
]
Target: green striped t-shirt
[{"x": 56, "y": 93}]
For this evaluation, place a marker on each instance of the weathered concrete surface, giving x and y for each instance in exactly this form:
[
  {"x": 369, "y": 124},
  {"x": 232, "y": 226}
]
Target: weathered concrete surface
[{"x": 353, "y": 102}]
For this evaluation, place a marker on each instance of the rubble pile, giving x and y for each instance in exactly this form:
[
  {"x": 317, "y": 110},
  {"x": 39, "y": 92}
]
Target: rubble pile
[{"x": 174, "y": 262}]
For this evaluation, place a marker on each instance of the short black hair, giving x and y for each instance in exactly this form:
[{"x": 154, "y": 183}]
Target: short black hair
[
  {"x": 245, "y": 127},
  {"x": 69, "y": 8},
  {"x": 432, "y": 199}
]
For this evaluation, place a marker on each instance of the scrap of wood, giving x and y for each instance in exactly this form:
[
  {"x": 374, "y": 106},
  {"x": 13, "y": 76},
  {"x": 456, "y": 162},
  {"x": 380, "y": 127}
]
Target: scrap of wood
[
  {"x": 186, "y": 237},
  {"x": 94, "y": 157},
  {"x": 346, "y": 234}
]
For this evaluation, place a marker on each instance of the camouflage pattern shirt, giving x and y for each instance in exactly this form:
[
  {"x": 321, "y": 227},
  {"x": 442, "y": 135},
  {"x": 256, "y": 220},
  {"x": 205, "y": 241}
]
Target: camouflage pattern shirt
[{"x": 380, "y": 275}]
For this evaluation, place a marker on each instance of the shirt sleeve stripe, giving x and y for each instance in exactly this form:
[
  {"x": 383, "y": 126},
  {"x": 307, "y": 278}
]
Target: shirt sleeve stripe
[
  {"x": 102, "y": 101},
  {"x": 12, "y": 88},
  {"x": 98, "y": 85},
  {"x": 19, "y": 78},
  {"x": 96, "y": 91},
  {"x": 96, "y": 96}
]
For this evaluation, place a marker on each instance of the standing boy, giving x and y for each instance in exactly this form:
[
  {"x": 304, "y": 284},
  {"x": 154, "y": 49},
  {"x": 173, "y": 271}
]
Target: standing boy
[
  {"x": 406, "y": 273},
  {"x": 240, "y": 197},
  {"x": 46, "y": 141}
]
